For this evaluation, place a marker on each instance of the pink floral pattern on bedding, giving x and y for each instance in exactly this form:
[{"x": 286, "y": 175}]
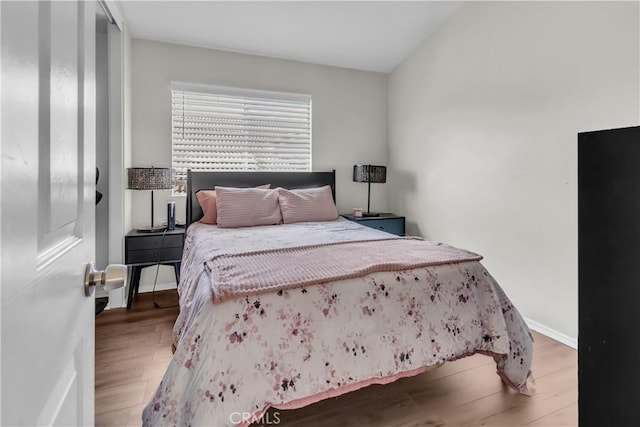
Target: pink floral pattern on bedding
[{"x": 248, "y": 354}]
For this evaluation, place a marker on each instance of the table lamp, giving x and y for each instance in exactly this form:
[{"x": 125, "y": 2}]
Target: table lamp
[
  {"x": 150, "y": 179},
  {"x": 369, "y": 174}
]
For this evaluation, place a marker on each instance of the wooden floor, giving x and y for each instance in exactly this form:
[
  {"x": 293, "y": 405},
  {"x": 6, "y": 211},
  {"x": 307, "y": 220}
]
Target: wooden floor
[{"x": 133, "y": 348}]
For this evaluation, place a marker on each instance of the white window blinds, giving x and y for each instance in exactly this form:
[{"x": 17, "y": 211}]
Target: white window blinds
[{"x": 228, "y": 129}]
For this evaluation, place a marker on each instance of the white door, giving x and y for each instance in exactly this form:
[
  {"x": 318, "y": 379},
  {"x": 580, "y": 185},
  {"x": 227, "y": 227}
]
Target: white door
[{"x": 47, "y": 212}]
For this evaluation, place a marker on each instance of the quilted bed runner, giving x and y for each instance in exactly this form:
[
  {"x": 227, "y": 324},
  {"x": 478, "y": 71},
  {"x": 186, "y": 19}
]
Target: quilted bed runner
[{"x": 238, "y": 275}]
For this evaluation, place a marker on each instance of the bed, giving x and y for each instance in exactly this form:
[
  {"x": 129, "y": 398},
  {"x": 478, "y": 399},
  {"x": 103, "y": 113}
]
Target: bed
[{"x": 308, "y": 339}]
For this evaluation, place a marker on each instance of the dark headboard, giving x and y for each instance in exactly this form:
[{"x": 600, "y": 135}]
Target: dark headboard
[{"x": 208, "y": 180}]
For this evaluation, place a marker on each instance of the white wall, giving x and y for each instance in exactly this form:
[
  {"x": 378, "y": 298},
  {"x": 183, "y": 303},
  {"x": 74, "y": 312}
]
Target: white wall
[
  {"x": 483, "y": 118},
  {"x": 349, "y": 116}
]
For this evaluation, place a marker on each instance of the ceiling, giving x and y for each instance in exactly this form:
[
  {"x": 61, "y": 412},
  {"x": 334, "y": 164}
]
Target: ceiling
[{"x": 364, "y": 35}]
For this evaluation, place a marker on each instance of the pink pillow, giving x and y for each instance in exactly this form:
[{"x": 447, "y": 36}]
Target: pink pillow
[
  {"x": 307, "y": 204},
  {"x": 245, "y": 207},
  {"x": 207, "y": 201}
]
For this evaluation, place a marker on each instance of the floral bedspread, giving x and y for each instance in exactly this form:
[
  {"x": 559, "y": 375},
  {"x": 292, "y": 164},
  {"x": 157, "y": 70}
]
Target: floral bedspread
[{"x": 240, "y": 357}]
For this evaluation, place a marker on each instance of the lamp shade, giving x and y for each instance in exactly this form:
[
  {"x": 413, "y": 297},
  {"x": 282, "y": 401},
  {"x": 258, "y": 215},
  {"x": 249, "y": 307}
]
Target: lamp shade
[
  {"x": 150, "y": 178},
  {"x": 369, "y": 173}
]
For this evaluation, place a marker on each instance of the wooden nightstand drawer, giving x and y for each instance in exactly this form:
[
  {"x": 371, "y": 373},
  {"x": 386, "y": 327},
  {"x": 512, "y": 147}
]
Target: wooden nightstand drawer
[
  {"x": 144, "y": 249},
  {"x": 153, "y": 255},
  {"x": 390, "y": 225},
  {"x": 386, "y": 222},
  {"x": 154, "y": 242}
]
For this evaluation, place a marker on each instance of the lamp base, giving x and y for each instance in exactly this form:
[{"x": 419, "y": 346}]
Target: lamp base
[
  {"x": 370, "y": 214},
  {"x": 153, "y": 229}
]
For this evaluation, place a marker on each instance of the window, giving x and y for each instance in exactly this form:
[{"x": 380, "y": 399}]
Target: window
[{"x": 229, "y": 129}]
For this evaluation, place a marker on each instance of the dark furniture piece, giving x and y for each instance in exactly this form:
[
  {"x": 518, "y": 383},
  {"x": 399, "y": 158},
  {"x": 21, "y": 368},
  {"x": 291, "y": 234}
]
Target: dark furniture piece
[
  {"x": 608, "y": 277},
  {"x": 197, "y": 181},
  {"x": 144, "y": 249},
  {"x": 385, "y": 221}
]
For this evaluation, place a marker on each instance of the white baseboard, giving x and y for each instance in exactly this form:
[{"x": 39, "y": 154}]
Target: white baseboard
[
  {"x": 552, "y": 333},
  {"x": 117, "y": 298},
  {"x": 148, "y": 287}
]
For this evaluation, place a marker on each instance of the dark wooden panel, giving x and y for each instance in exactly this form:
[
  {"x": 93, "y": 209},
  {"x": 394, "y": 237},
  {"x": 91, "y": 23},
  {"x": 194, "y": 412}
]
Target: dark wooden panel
[
  {"x": 609, "y": 276},
  {"x": 155, "y": 242},
  {"x": 154, "y": 255},
  {"x": 390, "y": 225},
  {"x": 386, "y": 222}
]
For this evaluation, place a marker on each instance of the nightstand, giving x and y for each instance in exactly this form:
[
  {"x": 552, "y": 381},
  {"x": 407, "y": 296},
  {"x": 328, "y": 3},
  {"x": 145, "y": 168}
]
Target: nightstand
[
  {"x": 147, "y": 249},
  {"x": 390, "y": 223}
]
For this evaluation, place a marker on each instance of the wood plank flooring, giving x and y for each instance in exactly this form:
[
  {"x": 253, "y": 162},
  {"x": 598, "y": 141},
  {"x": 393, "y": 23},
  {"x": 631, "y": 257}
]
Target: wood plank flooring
[{"x": 133, "y": 349}]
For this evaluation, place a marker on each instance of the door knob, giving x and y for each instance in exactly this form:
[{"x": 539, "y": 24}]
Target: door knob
[{"x": 112, "y": 277}]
